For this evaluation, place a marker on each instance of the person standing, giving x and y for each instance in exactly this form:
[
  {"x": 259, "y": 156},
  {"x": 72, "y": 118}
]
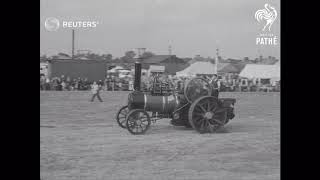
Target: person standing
[
  {"x": 42, "y": 83},
  {"x": 106, "y": 84},
  {"x": 63, "y": 85},
  {"x": 47, "y": 84},
  {"x": 95, "y": 89},
  {"x": 215, "y": 83},
  {"x": 130, "y": 84}
]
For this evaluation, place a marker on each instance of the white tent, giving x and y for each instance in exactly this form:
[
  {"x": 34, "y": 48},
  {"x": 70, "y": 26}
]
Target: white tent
[
  {"x": 143, "y": 71},
  {"x": 261, "y": 71},
  {"x": 115, "y": 69},
  {"x": 198, "y": 68},
  {"x": 124, "y": 71}
]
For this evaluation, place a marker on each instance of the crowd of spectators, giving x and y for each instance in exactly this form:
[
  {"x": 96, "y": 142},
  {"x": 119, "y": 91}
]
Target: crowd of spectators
[
  {"x": 64, "y": 84},
  {"x": 113, "y": 83}
]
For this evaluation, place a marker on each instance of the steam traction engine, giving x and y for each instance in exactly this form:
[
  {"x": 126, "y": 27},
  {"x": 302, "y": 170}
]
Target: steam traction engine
[{"x": 195, "y": 107}]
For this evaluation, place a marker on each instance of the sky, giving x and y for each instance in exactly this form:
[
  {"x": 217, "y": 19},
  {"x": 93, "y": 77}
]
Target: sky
[{"x": 191, "y": 27}]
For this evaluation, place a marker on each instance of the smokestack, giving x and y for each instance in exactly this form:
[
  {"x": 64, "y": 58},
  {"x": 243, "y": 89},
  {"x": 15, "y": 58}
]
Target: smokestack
[{"x": 137, "y": 76}]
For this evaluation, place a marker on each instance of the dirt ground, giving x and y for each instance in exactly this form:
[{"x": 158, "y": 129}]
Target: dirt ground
[{"x": 82, "y": 140}]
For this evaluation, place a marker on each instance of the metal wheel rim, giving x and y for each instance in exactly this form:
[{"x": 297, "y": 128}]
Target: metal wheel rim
[
  {"x": 199, "y": 115},
  {"x": 138, "y": 121},
  {"x": 121, "y": 116}
]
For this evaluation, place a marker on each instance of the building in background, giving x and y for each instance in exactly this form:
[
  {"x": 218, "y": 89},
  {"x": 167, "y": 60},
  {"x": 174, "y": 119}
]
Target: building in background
[
  {"x": 154, "y": 69},
  {"x": 171, "y": 63},
  {"x": 92, "y": 70}
]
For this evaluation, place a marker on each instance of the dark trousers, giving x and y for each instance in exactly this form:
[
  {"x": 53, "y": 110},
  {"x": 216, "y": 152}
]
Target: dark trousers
[{"x": 96, "y": 95}]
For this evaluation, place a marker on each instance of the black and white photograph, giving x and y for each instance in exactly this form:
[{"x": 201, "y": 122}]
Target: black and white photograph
[{"x": 160, "y": 89}]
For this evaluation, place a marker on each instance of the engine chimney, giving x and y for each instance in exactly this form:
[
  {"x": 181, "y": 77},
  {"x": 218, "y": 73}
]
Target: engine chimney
[{"x": 137, "y": 76}]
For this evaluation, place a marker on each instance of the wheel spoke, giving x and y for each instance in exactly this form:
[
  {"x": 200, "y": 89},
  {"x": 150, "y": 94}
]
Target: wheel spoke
[
  {"x": 214, "y": 108},
  {"x": 120, "y": 117},
  {"x": 198, "y": 110},
  {"x": 202, "y": 108},
  {"x": 209, "y": 127},
  {"x": 123, "y": 113},
  {"x": 217, "y": 121},
  {"x": 207, "y": 124},
  {"x": 144, "y": 119},
  {"x": 208, "y": 107},
  {"x": 130, "y": 124},
  {"x": 205, "y": 127},
  {"x": 137, "y": 128},
  {"x": 141, "y": 128},
  {"x": 142, "y": 122},
  {"x": 202, "y": 125},
  {"x": 198, "y": 120},
  {"x": 197, "y": 114},
  {"x": 212, "y": 127}
]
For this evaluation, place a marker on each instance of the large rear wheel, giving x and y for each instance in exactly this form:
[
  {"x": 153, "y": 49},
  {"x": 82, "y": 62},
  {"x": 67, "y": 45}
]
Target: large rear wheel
[{"x": 205, "y": 116}]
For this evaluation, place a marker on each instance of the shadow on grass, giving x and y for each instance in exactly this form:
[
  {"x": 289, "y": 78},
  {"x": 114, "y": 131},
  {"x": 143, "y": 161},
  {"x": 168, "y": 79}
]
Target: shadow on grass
[
  {"x": 165, "y": 129},
  {"x": 47, "y": 126},
  {"x": 239, "y": 127}
]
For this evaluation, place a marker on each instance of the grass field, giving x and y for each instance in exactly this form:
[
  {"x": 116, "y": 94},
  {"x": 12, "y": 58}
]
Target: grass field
[{"x": 82, "y": 140}]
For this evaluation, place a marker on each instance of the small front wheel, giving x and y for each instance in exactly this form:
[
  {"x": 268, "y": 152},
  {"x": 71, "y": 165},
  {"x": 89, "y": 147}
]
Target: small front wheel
[{"x": 138, "y": 121}]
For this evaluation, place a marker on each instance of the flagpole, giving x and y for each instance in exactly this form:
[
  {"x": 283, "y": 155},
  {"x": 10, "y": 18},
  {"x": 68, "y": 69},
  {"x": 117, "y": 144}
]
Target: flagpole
[
  {"x": 217, "y": 60},
  {"x": 72, "y": 44}
]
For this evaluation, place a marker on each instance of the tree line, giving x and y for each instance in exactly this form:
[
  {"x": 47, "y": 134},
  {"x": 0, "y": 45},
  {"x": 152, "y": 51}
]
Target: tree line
[{"x": 128, "y": 56}]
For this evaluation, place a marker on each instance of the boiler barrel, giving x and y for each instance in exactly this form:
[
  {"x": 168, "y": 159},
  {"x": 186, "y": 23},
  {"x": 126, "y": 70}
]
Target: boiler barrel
[{"x": 161, "y": 104}]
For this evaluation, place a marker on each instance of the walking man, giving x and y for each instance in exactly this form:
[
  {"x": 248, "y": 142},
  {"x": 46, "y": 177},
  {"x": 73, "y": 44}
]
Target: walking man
[{"x": 95, "y": 89}]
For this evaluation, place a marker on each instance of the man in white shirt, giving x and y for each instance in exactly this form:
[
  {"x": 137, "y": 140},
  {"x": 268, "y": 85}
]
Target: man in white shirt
[{"x": 95, "y": 89}]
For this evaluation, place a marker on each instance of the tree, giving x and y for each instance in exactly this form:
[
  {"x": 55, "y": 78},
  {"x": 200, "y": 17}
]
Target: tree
[
  {"x": 43, "y": 57},
  {"x": 130, "y": 54},
  {"x": 128, "y": 57},
  {"x": 199, "y": 58},
  {"x": 107, "y": 57},
  {"x": 147, "y": 54},
  {"x": 94, "y": 56},
  {"x": 116, "y": 59}
]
